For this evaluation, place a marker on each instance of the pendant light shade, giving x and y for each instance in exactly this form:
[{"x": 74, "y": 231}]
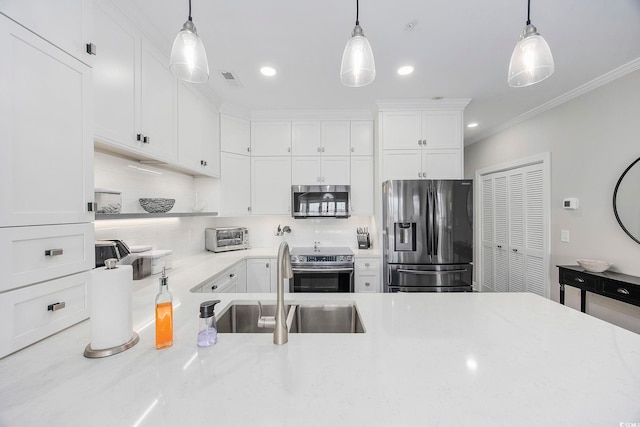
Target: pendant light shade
[
  {"x": 531, "y": 61},
  {"x": 188, "y": 57},
  {"x": 358, "y": 67}
]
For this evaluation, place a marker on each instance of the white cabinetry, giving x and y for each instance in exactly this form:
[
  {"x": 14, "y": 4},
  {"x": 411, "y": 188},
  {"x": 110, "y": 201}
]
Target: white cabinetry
[
  {"x": 46, "y": 178},
  {"x": 198, "y": 140},
  {"x": 270, "y": 185},
  {"x": 231, "y": 280},
  {"x": 426, "y": 142},
  {"x": 362, "y": 138},
  {"x": 362, "y": 190},
  {"x": 65, "y": 23},
  {"x": 331, "y": 138},
  {"x": 271, "y": 138},
  {"x": 322, "y": 170},
  {"x": 235, "y": 165},
  {"x": 235, "y": 135},
  {"x": 135, "y": 93},
  {"x": 367, "y": 275},
  {"x": 261, "y": 275}
]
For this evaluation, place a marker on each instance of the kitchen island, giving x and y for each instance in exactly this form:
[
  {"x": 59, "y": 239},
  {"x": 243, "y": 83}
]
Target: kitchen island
[{"x": 481, "y": 359}]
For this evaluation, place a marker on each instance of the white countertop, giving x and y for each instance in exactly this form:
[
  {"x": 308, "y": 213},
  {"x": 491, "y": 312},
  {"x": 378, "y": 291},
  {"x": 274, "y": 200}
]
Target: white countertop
[{"x": 425, "y": 360}]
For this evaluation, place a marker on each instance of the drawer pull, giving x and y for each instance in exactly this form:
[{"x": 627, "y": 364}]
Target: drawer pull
[
  {"x": 232, "y": 275},
  {"x": 623, "y": 291},
  {"x": 53, "y": 252},
  {"x": 57, "y": 306},
  {"x": 214, "y": 287},
  {"x": 579, "y": 280},
  {"x": 366, "y": 264},
  {"x": 367, "y": 284}
]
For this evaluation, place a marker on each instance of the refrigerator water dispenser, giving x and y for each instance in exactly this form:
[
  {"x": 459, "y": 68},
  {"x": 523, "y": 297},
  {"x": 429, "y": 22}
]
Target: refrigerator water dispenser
[{"x": 405, "y": 236}]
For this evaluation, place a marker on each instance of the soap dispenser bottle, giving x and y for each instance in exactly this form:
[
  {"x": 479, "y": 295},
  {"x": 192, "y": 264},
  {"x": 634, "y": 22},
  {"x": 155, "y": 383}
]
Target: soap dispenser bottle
[
  {"x": 164, "y": 314},
  {"x": 207, "y": 332}
]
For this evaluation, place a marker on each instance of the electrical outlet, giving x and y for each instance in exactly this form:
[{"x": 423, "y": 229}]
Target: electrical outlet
[{"x": 564, "y": 236}]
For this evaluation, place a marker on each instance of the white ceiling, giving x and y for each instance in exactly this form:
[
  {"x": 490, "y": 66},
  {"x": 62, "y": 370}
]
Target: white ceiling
[{"x": 460, "y": 49}]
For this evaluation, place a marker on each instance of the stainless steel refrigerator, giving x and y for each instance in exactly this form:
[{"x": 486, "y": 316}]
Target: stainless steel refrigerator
[{"x": 428, "y": 235}]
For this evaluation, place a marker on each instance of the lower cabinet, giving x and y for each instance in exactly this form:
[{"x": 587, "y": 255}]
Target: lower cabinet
[
  {"x": 35, "y": 312},
  {"x": 231, "y": 280},
  {"x": 261, "y": 275},
  {"x": 367, "y": 275}
]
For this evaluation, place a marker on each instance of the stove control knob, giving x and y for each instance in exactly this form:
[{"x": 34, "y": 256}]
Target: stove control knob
[
  {"x": 294, "y": 258},
  {"x": 301, "y": 258},
  {"x": 349, "y": 258}
]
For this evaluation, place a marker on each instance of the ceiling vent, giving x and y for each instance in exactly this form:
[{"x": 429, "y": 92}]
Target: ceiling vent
[{"x": 230, "y": 78}]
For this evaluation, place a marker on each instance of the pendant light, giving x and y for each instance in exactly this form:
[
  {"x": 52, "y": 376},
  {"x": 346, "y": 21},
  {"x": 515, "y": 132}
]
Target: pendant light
[
  {"x": 531, "y": 61},
  {"x": 188, "y": 57},
  {"x": 358, "y": 67}
]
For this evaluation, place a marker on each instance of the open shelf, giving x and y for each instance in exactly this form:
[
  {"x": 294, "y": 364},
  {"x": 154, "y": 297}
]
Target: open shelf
[{"x": 153, "y": 215}]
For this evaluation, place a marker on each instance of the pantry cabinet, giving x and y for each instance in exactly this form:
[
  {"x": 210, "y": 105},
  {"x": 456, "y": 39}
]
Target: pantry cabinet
[
  {"x": 46, "y": 186},
  {"x": 198, "y": 136},
  {"x": 135, "y": 93}
]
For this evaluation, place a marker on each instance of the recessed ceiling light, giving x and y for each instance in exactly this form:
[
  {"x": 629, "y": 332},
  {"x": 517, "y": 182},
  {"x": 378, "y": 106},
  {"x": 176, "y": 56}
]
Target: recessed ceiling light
[
  {"x": 472, "y": 125},
  {"x": 407, "y": 69},
  {"x": 268, "y": 71}
]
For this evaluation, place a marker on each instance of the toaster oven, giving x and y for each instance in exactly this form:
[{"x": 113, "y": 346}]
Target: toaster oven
[{"x": 223, "y": 239}]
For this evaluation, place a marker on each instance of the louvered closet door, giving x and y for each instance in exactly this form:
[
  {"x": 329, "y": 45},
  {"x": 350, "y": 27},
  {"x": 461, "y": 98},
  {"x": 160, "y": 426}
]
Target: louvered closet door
[
  {"x": 516, "y": 232},
  {"x": 534, "y": 231},
  {"x": 487, "y": 273},
  {"x": 501, "y": 233}
]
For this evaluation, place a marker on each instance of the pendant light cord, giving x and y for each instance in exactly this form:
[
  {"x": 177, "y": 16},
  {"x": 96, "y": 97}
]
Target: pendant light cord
[
  {"x": 357, "y": 12},
  {"x": 190, "y": 11},
  {"x": 528, "y": 11}
]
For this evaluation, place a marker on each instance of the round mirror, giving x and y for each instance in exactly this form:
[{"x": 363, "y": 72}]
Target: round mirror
[{"x": 626, "y": 200}]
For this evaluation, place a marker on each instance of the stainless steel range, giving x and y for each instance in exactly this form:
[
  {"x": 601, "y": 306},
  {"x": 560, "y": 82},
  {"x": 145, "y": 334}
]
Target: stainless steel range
[{"x": 317, "y": 269}]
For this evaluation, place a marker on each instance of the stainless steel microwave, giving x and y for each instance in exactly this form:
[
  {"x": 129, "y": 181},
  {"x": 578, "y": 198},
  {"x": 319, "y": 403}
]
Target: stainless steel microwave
[
  {"x": 223, "y": 239},
  {"x": 320, "y": 201}
]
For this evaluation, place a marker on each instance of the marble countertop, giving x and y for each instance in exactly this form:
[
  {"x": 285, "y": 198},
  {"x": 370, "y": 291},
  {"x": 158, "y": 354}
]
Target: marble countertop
[{"x": 481, "y": 359}]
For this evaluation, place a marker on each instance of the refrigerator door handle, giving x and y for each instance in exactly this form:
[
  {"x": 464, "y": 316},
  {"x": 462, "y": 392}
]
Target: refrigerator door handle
[
  {"x": 427, "y": 272},
  {"x": 429, "y": 222},
  {"x": 436, "y": 229}
]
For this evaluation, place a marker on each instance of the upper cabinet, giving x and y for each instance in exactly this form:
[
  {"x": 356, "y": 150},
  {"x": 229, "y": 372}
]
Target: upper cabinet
[
  {"x": 270, "y": 138},
  {"x": 235, "y": 135},
  {"x": 424, "y": 141},
  {"x": 362, "y": 138},
  {"x": 422, "y": 130},
  {"x": 198, "y": 136},
  {"x": 134, "y": 91},
  {"x": 46, "y": 153},
  {"x": 65, "y": 23},
  {"x": 331, "y": 138}
]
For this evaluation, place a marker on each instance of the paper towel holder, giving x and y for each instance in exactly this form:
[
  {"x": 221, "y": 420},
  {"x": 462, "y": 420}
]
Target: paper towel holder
[{"x": 94, "y": 354}]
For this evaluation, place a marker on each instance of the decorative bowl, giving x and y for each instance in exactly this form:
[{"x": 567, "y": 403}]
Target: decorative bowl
[
  {"x": 594, "y": 265},
  {"x": 157, "y": 205}
]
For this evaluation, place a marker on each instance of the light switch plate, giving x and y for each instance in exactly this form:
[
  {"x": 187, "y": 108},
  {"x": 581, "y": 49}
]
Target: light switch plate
[{"x": 564, "y": 236}]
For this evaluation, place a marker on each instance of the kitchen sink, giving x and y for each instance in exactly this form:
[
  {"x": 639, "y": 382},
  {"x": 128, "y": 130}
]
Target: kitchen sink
[{"x": 306, "y": 318}]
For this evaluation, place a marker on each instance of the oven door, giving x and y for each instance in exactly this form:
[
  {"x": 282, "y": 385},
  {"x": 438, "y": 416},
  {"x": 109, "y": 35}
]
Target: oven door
[{"x": 321, "y": 280}]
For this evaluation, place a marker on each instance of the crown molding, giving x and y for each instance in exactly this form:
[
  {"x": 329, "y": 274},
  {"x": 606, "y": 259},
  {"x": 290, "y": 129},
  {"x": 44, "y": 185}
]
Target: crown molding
[{"x": 422, "y": 104}]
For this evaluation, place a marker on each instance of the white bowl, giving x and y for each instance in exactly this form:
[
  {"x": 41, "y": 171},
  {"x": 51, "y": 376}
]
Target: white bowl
[{"x": 594, "y": 265}]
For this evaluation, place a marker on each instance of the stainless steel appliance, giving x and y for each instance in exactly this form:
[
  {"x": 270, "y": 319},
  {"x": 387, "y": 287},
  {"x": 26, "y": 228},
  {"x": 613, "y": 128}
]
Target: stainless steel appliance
[
  {"x": 223, "y": 239},
  {"x": 318, "y": 269},
  {"x": 320, "y": 201},
  {"x": 107, "y": 249},
  {"x": 428, "y": 235}
]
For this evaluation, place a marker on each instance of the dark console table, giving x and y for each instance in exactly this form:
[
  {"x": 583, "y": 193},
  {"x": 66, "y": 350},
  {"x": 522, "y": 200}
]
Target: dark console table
[{"x": 618, "y": 286}]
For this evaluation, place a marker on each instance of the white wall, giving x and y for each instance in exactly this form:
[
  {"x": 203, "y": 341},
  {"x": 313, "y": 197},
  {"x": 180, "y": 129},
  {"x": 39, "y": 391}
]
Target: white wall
[{"x": 592, "y": 139}]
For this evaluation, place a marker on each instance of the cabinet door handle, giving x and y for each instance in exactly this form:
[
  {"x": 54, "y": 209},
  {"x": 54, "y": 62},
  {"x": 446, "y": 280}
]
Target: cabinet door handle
[
  {"x": 318, "y": 149},
  {"x": 419, "y": 142},
  {"x": 92, "y": 206},
  {"x": 367, "y": 284},
  {"x": 139, "y": 137},
  {"x": 514, "y": 250},
  {"x": 146, "y": 140},
  {"x": 267, "y": 265},
  {"x": 499, "y": 246},
  {"x": 248, "y": 149},
  {"x": 214, "y": 287},
  {"x": 232, "y": 275},
  {"x": 288, "y": 149},
  {"x": 91, "y": 48},
  {"x": 623, "y": 291},
  {"x": 579, "y": 280},
  {"x": 56, "y": 306},
  {"x": 353, "y": 149},
  {"x": 53, "y": 252},
  {"x": 419, "y": 174}
]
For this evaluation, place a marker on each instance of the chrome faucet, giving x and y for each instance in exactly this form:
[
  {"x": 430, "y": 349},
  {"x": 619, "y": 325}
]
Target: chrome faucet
[{"x": 279, "y": 321}]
